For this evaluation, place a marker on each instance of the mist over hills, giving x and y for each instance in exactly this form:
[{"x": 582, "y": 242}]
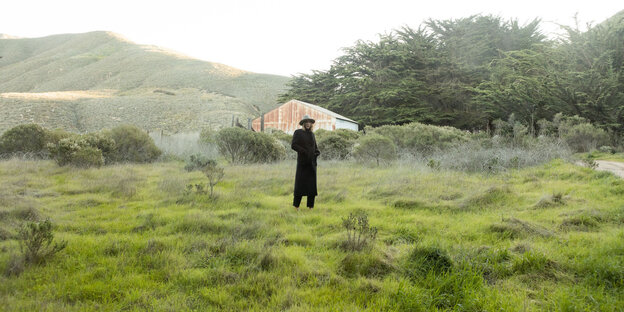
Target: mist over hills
[{"x": 90, "y": 81}]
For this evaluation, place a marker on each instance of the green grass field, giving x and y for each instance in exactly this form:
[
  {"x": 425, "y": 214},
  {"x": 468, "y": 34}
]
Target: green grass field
[{"x": 543, "y": 238}]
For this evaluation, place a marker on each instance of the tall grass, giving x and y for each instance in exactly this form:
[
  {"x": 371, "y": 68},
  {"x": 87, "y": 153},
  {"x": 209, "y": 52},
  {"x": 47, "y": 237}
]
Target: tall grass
[{"x": 446, "y": 240}]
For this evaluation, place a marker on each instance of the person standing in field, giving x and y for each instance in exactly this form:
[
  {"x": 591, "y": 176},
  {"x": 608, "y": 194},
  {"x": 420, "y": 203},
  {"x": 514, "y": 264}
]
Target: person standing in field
[{"x": 304, "y": 143}]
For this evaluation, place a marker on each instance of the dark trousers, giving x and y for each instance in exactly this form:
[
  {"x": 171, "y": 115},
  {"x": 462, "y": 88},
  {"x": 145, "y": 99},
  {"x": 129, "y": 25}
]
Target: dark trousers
[{"x": 297, "y": 201}]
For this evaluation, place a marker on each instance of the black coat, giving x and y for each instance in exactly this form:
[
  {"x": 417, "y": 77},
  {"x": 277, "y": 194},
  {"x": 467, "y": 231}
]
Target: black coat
[{"x": 304, "y": 143}]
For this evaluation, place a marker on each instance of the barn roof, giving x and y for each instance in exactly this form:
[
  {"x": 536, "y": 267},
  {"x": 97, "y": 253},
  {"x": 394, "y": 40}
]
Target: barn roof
[{"x": 324, "y": 110}]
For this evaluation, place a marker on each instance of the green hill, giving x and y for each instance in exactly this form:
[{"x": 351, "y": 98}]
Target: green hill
[{"x": 90, "y": 81}]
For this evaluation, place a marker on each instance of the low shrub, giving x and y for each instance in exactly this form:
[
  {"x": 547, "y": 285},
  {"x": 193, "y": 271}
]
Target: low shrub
[
  {"x": 105, "y": 144},
  {"x": 579, "y": 133},
  {"x": 333, "y": 146},
  {"x": 198, "y": 162},
  {"x": 35, "y": 240},
  {"x": 417, "y": 138},
  {"x": 375, "y": 147},
  {"x": 243, "y": 146},
  {"x": 132, "y": 145},
  {"x": 28, "y": 139},
  {"x": 359, "y": 232},
  {"x": 76, "y": 151}
]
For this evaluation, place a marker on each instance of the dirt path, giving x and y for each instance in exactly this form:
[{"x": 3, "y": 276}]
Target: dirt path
[{"x": 613, "y": 166}]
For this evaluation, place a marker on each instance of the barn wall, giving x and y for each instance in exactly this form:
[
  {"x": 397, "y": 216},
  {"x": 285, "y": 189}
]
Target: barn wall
[
  {"x": 286, "y": 118},
  {"x": 345, "y": 124}
]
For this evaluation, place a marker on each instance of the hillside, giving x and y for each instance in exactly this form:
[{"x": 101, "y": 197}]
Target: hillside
[{"x": 90, "y": 81}]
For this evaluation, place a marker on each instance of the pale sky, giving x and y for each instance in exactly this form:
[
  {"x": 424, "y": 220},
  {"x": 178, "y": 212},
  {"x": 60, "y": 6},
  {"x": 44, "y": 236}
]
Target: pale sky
[{"x": 282, "y": 37}]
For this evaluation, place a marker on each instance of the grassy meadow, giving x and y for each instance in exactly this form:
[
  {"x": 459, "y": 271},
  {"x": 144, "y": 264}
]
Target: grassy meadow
[{"x": 543, "y": 238}]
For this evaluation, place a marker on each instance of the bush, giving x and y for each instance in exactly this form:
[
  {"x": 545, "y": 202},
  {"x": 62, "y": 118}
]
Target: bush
[
  {"x": 607, "y": 149},
  {"x": 359, "y": 232},
  {"x": 36, "y": 242},
  {"x": 244, "y": 146},
  {"x": 132, "y": 145},
  {"x": 28, "y": 139},
  {"x": 579, "y": 133},
  {"x": 334, "y": 146},
  {"x": 583, "y": 137},
  {"x": 198, "y": 162},
  {"x": 375, "y": 147},
  {"x": 417, "y": 138},
  {"x": 76, "y": 151},
  {"x": 104, "y": 144},
  {"x": 214, "y": 174}
]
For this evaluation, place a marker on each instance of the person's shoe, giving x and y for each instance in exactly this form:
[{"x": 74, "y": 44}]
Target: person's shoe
[
  {"x": 310, "y": 208},
  {"x": 296, "y": 208}
]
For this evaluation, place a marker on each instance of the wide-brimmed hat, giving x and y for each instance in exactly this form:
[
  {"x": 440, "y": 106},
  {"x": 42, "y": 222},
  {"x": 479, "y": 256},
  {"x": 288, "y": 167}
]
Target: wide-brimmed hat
[{"x": 306, "y": 118}]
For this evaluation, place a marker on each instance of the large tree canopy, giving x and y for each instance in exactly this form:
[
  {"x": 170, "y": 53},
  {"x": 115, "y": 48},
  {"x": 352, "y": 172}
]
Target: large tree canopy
[{"x": 468, "y": 72}]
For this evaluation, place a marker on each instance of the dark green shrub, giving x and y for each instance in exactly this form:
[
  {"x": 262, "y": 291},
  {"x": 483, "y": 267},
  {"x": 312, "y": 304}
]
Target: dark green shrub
[
  {"x": 420, "y": 138},
  {"x": 374, "y": 147},
  {"x": 265, "y": 148},
  {"x": 579, "y": 133},
  {"x": 280, "y": 135},
  {"x": 104, "y": 143},
  {"x": 54, "y": 136},
  {"x": 76, "y": 151},
  {"x": 243, "y": 146},
  {"x": 234, "y": 144},
  {"x": 36, "y": 242},
  {"x": 607, "y": 149},
  {"x": 132, "y": 145},
  {"x": 334, "y": 146},
  {"x": 347, "y": 134},
  {"x": 198, "y": 162},
  {"x": 29, "y": 139}
]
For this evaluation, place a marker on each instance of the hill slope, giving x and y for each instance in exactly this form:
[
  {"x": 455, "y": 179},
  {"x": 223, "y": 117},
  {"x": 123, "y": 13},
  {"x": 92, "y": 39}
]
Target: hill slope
[{"x": 90, "y": 81}]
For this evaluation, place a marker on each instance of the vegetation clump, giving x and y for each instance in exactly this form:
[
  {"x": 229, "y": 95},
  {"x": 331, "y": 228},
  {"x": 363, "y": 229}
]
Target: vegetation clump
[
  {"x": 551, "y": 200},
  {"x": 76, "y": 151},
  {"x": 36, "y": 242},
  {"x": 26, "y": 139},
  {"x": 359, "y": 232},
  {"x": 208, "y": 167},
  {"x": 375, "y": 147},
  {"x": 334, "y": 146},
  {"x": 132, "y": 145},
  {"x": 422, "y": 260},
  {"x": 364, "y": 264},
  {"x": 242, "y": 146}
]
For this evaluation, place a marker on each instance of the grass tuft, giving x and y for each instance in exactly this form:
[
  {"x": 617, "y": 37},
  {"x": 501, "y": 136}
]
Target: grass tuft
[
  {"x": 513, "y": 228},
  {"x": 422, "y": 260}
]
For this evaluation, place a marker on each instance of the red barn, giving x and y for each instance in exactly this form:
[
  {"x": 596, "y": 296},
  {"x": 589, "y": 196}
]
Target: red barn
[{"x": 287, "y": 117}]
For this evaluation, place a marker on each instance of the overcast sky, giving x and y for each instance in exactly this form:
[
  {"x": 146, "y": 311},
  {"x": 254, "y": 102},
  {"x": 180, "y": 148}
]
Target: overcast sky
[{"x": 283, "y": 37}]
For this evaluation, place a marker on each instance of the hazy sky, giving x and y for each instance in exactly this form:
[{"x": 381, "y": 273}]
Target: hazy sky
[{"x": 282, "y": 37}]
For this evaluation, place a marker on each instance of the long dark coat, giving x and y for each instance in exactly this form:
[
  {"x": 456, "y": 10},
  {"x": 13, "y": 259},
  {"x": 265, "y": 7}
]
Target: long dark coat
[{"x": 304, "y": 143}]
